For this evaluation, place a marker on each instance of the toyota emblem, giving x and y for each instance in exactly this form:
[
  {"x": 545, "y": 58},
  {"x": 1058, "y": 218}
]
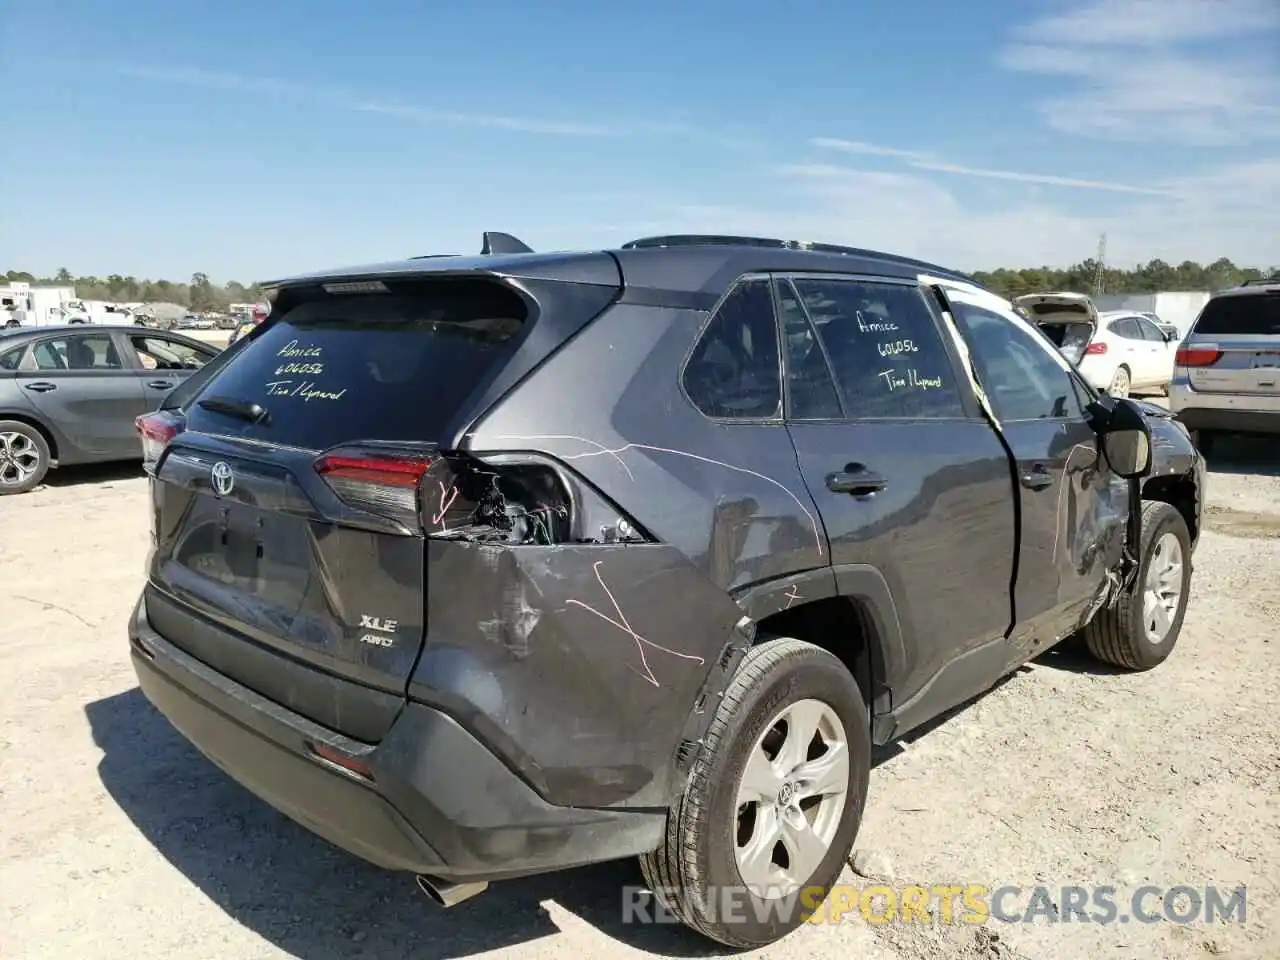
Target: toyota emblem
[{"x": 224, "y": 480}]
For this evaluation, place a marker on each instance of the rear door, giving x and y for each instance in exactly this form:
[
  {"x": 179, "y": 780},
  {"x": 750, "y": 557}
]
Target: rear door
[
  {"x": 911, "y": 481},
  {"x": 1071, "y": 521},
  {"x": 1131, "y": 350},
  {"x": 1159, "y": 351},
  {"x": 288, "y": 512},
  {"x": 165, "y": 361},
  {"x": 85, "y": 385},
  {"x": 1234, "y": 346}
]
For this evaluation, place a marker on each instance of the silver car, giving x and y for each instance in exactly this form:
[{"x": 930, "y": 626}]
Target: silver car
[{"x": 1226, "y": 376}]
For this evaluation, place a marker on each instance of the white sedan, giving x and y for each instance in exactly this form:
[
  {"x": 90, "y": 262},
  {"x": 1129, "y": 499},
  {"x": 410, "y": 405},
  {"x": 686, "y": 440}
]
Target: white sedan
[{"x": 1116, "y": 351}]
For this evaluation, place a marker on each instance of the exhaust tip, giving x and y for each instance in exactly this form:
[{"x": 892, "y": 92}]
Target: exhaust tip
[{"x": 447, "y": 894}]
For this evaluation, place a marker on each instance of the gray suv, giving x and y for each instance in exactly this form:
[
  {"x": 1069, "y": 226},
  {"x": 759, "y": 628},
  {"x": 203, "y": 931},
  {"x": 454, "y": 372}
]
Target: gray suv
[
  {"x": 1226, "y": 375},
  {"x": 483, "y": 567}
]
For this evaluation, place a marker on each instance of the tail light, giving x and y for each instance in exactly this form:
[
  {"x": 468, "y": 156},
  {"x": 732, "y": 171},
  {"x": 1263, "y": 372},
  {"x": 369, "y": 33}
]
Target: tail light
[
  {"x": 1205, "y": 355},
  {"x": 155, "y": 431},
  {"x": 1095, "y": 349},
  {"x": 382, "y": 483}
]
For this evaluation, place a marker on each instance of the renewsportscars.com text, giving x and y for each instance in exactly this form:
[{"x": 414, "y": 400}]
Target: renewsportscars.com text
[{"x": 956, "y": 903}]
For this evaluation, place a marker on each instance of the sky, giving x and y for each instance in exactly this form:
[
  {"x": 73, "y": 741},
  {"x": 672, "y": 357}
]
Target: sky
[{"x": 252, "y": 141}]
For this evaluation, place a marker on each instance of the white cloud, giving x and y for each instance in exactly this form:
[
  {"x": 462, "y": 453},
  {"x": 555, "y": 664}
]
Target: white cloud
[
  {"x": 1144, "y": 22},
  {"x": 339, "y": 99},
  {"x": 923, "y": 161},
  {"x": 1231, "y": 212},
  {"x": 1176, "y": 71}
]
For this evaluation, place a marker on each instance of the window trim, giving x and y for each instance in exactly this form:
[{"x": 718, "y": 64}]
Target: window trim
[
  {"x": 28, "y": 363},
  {"x": 969, "y": 407},
  {"x": 777, "y": 419},
  {"x": 1046, "y": 346},
  {"x": 785, "y": 353}
]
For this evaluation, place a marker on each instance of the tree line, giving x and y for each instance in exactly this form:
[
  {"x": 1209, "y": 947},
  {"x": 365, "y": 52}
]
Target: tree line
[
  {"x": 202, "y": 294},
  {"x": 199, "y": 294}
]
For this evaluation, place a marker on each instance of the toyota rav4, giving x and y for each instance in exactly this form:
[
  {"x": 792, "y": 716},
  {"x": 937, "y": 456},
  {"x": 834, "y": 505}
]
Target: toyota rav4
[{"x": 482, "y": 567}]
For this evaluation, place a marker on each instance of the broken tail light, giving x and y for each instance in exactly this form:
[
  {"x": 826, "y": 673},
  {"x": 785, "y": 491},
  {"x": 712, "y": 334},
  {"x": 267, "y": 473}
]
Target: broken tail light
[
  {"x": 379, "y": 482},
  {"x": 155, "y": 430},
  {"x": 1204, "y": 355},
  {"x": 512, "y": 499},
  {"x": 519, "y": 499},
  {"x": 1095, "y": 349}
]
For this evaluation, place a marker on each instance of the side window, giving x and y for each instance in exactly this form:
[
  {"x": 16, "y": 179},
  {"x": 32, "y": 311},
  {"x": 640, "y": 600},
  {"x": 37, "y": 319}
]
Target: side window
[
  {"x": 885, "y": 348},
  {"x": 1019, "y": 374},
  {"x": 733, "y": 372},
  {"x": 1150, "y": 331},
  {"x": 161, "y": 353},
  {"x": 1127, "y": 328},
  {"x": 81, "y": 351},
  {"x": 9, "y": 359},
  {"x": 811, "y": 390}
]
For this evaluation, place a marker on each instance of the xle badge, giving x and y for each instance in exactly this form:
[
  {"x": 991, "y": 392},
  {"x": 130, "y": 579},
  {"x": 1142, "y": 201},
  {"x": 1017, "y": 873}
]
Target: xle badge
[{"x": 383, "y": 627}]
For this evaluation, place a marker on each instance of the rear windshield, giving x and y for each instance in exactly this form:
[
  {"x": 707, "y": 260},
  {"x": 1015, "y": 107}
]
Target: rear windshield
[
  {"x": 379, "y": 366},
  {"x": 1248, "y": 314}
]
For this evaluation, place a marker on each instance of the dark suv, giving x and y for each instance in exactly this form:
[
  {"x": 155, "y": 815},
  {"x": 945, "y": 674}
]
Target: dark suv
[{"x": 484, "y": 567}]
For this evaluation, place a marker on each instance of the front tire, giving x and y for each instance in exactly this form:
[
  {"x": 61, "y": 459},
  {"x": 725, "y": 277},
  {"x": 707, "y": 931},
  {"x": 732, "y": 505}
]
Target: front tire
[
  {"x": 1141, "y": 629},
  {"x": 24, "y": 457},
  {"x": 774, "y": 801}
]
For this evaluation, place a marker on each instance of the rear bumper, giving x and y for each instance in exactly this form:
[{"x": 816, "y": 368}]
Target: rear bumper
[
  {"x": 437, "y": 802},
  {"x": 1228, "y": 412}
]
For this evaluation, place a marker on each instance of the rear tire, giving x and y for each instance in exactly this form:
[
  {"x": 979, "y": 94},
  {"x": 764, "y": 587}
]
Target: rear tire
[
  {"x": 24, "y": 457},
  {"x": 1141, "y": 629},
  {"x": 697, "y": 875}
]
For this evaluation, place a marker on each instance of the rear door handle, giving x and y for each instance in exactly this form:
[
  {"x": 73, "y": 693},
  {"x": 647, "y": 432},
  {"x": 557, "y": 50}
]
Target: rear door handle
[
  {"x": 857, "y": 480},
  {"x": 1037, "y": 478},
  {"x": 160, "y": 385},
  {"x": 43, "y": 386}
]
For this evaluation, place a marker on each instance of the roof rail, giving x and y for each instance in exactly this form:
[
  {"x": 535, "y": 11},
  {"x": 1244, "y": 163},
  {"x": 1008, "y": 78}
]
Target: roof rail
[
  {"x": 498, "y": 243},
  {"x": 711, "y": 239},
  {"x": 1262, "y": 282}
]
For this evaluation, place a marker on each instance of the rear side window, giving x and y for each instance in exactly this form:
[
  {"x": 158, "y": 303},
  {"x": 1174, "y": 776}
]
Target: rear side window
[
  {"x": 1240, "y": 315},
  {"x": 9, "y": 359},
  {"x": 79, "y": 351},
  {"x": 733, "y": 372},
  {"x": 885, "y": 349},
  {"x": 379, "y": 366}
]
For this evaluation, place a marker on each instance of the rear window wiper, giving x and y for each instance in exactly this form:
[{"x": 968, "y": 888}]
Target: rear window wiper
[{"x": 253, "y": 412}]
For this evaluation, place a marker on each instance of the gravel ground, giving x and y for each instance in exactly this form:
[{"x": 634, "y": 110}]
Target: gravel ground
[{"x": 117, "y": 840}]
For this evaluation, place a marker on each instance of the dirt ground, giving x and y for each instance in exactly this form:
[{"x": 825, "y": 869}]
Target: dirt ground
[{"x": 117, "y": 840}]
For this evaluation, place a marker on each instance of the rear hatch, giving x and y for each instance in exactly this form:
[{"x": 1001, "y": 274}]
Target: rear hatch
[
  {"x": 289, "y": 546},
  {"x": 1234, "y": 345},
  {"x": 1068, "y": 319}
]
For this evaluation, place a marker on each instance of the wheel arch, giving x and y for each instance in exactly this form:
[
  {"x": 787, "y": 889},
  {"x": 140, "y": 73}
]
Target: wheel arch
[{"x": 51, "y": 436}]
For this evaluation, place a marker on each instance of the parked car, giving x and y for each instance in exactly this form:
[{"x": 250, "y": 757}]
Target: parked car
[
  {"x": 246, "y": 326},
  {"x": 1228, "y": 368},
  {"x": 485, "y": 567},
  {"x": 70, "y": 395},
  {"x": 1116, "y": 351}
]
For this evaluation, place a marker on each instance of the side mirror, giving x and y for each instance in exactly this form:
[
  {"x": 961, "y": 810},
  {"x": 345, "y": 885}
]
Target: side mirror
[{"x": 1126, "y": 440}]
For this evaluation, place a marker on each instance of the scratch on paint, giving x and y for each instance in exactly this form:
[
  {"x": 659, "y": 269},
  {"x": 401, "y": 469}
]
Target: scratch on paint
[
  {"x": 616, "y": 452},
  {"x": 792, "y": 596},
  {"x": 624, "y": 625},
  {"x": 447, "y": 496}
]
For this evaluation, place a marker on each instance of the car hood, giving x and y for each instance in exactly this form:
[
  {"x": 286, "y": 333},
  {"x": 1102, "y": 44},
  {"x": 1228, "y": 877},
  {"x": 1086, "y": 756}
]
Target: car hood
[{"x": 1050, "y": 308}]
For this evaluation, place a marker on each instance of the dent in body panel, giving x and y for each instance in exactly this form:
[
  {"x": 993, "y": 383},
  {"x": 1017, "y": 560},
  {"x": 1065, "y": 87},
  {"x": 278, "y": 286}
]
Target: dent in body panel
[
  {"x": 728, "y": 496},
  {"x": 595, "y": 678},
  {"x": 1072, "y": 534}
]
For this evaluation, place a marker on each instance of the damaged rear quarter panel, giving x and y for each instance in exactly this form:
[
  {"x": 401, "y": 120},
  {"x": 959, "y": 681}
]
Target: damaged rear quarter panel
[
  {"x": 525, "y": 641},
  {"x": 577, "y": 664}
]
